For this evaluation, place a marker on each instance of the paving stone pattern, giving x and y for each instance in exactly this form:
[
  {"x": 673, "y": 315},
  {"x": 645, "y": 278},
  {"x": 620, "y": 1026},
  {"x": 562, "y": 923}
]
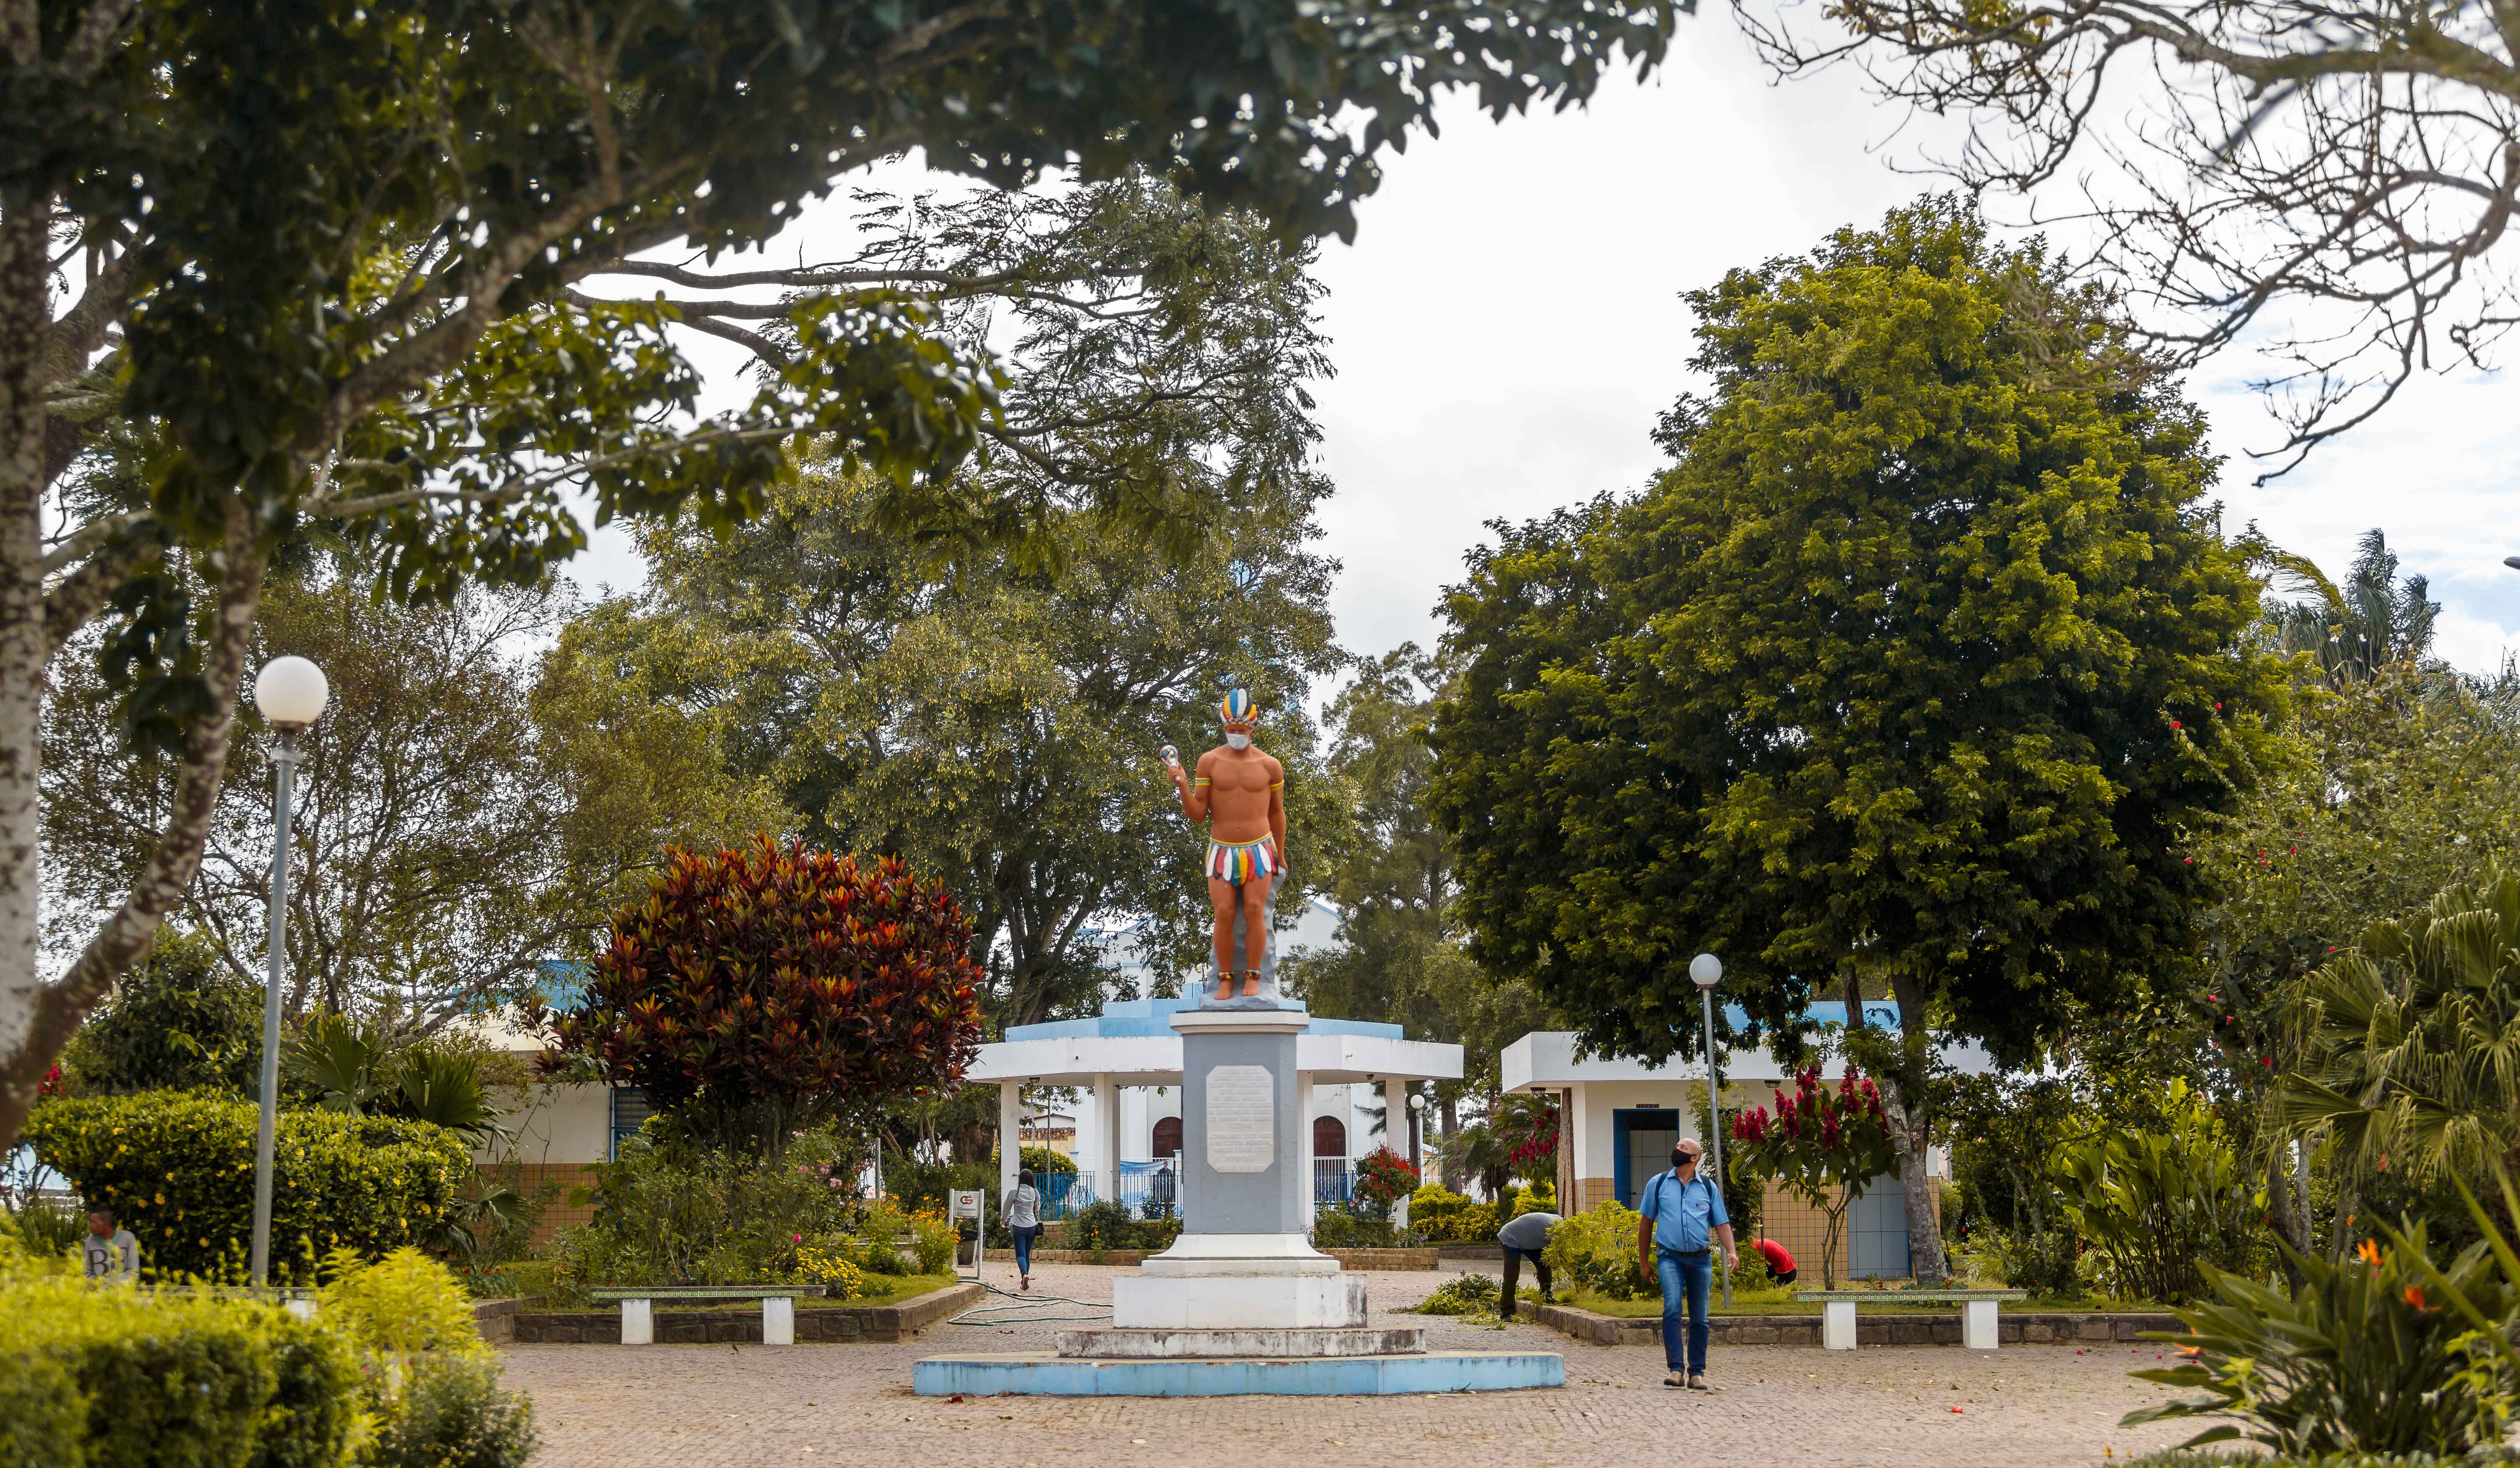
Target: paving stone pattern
[{"x": 820, "y": 1407}]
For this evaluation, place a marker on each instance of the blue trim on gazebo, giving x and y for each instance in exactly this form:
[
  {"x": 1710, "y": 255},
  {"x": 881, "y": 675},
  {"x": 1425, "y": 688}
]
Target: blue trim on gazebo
[{"x": 1140, "y": 1019}]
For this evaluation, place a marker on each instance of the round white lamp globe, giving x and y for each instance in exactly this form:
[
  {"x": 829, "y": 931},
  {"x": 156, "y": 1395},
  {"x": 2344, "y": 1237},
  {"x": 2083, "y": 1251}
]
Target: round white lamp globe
[
  {"x": 1706, "y": 968},
  {"x": 290, "y": 692},
  {"x": 1417, "y": 1102}
]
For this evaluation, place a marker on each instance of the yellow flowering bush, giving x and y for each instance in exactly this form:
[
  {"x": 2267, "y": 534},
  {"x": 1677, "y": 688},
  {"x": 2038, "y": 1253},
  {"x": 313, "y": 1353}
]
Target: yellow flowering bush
[{"x": 826, "y": 1262}]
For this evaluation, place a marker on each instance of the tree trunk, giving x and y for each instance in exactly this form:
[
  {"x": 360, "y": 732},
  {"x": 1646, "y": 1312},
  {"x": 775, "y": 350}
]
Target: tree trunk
[
  {"x": 1449, "y": 1109},
  {"x": 1916, "y": 1135},
  {"x": 1566, "y": 1154},
  {"x": 2280, "y": 1213},
  {"x": 26, "y": 323},
  {"x": 32, "y": 1038}
]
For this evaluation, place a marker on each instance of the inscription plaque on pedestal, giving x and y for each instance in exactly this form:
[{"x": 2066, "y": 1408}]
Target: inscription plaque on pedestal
[{"x": 1242, "y": 1118}]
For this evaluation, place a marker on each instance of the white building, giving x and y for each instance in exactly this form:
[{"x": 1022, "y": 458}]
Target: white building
[{"x": 1627, "y": 1115}]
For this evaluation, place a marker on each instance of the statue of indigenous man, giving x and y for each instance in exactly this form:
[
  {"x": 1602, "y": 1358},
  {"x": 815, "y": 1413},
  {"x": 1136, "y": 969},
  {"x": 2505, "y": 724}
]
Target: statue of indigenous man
[{"x": 1241, "y": 794}]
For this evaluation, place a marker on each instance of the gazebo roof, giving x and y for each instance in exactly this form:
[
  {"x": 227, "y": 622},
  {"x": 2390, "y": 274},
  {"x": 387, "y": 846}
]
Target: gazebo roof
[{"x": 1132, "y": 1042}]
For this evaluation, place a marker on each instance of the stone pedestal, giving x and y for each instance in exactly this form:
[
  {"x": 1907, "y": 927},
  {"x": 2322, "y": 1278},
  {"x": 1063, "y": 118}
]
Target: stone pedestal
[
  {"x": 1241, "y": 1304},
  {"x": 1243, "y": 1263}
]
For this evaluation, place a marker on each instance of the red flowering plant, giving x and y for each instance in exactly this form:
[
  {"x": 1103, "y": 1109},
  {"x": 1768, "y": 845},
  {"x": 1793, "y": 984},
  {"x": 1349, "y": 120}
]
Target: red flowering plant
[
  {"x": 752, "y": 993},
  {"x": 1823, "y": 1147},
  {"x": 1530, "y": 1135},
  {"x": 1382, "y": 1179}
]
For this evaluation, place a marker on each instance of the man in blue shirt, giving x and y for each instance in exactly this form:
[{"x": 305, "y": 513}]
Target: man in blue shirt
[{"x": 1683, "y": 1222}]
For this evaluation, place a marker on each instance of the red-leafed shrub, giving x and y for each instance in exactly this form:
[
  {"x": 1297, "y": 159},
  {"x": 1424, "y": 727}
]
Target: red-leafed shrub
[{"x": 756, "y": 991}]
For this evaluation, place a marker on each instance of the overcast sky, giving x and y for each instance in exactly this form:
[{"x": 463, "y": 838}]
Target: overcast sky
[{"x": 1508, "y": 325}]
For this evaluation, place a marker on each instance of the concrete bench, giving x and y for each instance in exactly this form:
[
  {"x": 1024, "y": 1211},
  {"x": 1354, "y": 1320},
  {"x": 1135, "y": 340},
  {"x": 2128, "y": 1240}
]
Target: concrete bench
[
  {"x": 638, "y": 1310},
  {"x": 1977, "y": 1311}
]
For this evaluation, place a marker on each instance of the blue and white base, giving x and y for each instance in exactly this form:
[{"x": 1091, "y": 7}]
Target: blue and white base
[{"x": 1010, "y": 1374}]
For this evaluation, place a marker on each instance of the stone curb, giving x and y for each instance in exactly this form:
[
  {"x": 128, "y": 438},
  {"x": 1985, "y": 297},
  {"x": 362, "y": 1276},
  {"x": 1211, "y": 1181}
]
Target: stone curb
[
  {"x": 826, "y": 1324},
  {"x": 496, "y": 1320},
  {"x": 2023, "y": 1328},
  {"x": 1421, "y": 1260}
]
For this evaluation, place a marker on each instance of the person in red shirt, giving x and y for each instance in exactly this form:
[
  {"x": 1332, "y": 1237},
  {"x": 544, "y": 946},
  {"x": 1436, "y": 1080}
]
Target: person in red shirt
[{"x": 1779, "y": 1263}]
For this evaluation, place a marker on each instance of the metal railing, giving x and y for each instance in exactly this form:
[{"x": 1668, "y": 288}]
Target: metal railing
[
  {"x": 1157, "y": 1193},
  {"x": 1333, "y": 1181}
]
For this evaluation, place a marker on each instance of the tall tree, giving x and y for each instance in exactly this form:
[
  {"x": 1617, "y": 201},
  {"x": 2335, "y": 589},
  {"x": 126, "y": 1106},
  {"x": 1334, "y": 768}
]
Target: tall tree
[
  {"x": 1400, "y": 958},
  {"x": 997, "y": 727},
  {"x": 1920, "y": 664},
  {"x": 2330, "y": 180},
  {"x": 419, "y": 843},
  {"x": 321, "y": 254}
]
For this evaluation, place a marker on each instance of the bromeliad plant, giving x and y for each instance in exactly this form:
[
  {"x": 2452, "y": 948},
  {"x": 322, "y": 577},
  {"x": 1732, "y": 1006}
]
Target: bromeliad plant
[
  {"x": 754, "y": 993},
  {"x": 1823, "y": 1147},
  {"x": 2384, "y": 1351}
]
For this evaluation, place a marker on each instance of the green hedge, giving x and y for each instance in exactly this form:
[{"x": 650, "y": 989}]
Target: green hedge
[
  {"x": 178, "y": 1169},
  {"x": 117, "y": 1379}
]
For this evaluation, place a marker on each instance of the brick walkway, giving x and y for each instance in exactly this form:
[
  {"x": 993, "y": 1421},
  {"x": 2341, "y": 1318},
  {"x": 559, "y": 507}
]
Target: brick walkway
[{"x": 821, "y": 1406}]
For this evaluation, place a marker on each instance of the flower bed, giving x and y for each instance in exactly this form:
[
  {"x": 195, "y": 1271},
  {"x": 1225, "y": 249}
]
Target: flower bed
[
  {"x": 713, "y": 1326},
  {"x": 1911, "y": 1325}
]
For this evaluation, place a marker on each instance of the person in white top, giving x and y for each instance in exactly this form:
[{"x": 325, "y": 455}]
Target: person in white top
[
  {"x": 1022, "y": 1213},
  {"x": 111, "y": 1252}
]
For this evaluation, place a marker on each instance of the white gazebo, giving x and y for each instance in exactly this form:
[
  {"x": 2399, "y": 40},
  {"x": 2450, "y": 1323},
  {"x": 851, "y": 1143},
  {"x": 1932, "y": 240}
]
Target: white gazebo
[{"x": 1132, "y": 1045}]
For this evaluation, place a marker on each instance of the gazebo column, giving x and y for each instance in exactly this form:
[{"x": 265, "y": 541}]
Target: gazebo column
[
  {"x": 1395, "y": 1117},
  {"x": 1304, "y": 1145},
  {"x": 1009, "y": 1136},
  {"x": 1107, "y": 1138}
]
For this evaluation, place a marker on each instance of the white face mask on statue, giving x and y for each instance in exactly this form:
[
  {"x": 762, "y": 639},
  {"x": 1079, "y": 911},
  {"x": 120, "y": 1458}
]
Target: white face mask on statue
[{"x": 1238, "y": 742}]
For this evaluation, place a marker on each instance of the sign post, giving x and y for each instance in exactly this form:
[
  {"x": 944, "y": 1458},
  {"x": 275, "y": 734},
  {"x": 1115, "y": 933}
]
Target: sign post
[{"x": 970, "y": 1203}]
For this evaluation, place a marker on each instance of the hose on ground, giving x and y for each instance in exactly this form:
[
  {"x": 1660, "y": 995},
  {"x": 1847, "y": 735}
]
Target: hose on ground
[{"x": 997, "y": 1314}]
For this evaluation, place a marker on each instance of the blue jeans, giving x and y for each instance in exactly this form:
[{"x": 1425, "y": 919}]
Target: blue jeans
[
  {"x": 1023, "y": 1247},
  {"x": 1685, "y": 1279}
]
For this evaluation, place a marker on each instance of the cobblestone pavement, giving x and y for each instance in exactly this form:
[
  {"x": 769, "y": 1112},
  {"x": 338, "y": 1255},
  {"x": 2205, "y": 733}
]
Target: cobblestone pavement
[{"x": 822, "y": 1407}]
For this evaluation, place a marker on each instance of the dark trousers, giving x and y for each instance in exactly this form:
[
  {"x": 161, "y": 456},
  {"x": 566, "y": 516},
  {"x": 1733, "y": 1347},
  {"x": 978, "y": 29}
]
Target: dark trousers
[
  {"x": 1513, "y": 1259},
  {"x": 1023, "y": 1247},
  {"x": 1685, "y": 1279}
]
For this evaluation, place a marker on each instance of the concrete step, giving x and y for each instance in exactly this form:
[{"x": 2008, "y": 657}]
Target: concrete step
[
  {"x": 990, "y": 1373},
  {"x": 1165, "y": 1344}
]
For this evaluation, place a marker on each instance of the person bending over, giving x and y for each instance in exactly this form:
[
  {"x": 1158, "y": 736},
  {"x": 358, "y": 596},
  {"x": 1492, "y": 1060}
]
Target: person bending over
[{"x": 1524, "y": 1238}]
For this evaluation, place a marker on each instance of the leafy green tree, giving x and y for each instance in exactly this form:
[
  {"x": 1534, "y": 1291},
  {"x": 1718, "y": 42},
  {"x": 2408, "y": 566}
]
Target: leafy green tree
[
  {"x": 181, "y": 1021},
  {"x": 423, "y": 875},
  {"x": 840, "y": 664},
  {"x": 1920, "y": 664},
  {"x": 1400, "y": 958},
  {"x": 326, "y": 256}
]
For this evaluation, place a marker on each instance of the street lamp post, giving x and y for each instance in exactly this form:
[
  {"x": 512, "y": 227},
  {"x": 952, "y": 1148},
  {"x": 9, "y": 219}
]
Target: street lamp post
[
  {"x": 1417, "y": 1128},
  {"x": 291, "y": 692},
  {"x": 1706, "y": 969}
]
